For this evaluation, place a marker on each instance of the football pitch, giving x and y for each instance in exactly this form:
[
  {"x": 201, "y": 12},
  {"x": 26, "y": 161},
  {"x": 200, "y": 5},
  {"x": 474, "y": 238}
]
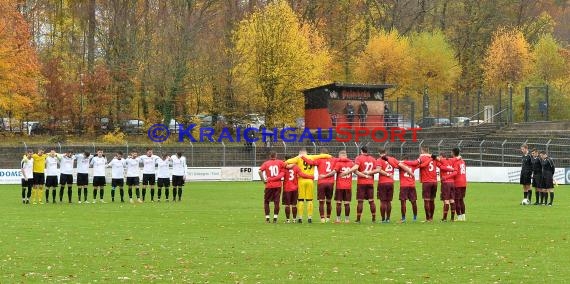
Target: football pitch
[{"x": 217, "y": 234}]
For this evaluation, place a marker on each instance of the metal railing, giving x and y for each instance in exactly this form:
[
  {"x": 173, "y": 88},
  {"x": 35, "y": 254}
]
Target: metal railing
[{"x": 487, "y": 152}]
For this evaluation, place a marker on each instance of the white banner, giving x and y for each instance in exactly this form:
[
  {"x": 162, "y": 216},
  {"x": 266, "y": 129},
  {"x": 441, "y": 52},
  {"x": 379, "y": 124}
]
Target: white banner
[
  {"x": 10, "y": 176},
  {"x": 237, "y": 174},
  {"x": 474, "y": 174},
  {"x": 212, "y": 174}
]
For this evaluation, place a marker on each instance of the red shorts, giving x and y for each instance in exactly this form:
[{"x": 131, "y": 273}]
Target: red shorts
[
  {"x": 385, "y": 191},
  {"x": 325, "y": 191},
  {"x": 364, "y": 192},
  {"x": 290, "y": 197},
  {"x": 408, "y": 193},
  {"x": 460, "y": 192},
  {"x": 447, "y": 191},
  {"x": 429, "y": 190},
  {"x": 343, "y": 195},
  {"x": 272, "y": 194}
]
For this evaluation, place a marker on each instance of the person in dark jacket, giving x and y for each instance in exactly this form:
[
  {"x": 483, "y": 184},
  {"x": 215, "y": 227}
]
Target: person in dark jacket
[
  {"x": 526, "y": 172},
  {"x": 349, "y": 113},
  {"x": 536, "y": 176},
  {"x": 362, "y": 112},
  {"x": 547, "y": 177}
]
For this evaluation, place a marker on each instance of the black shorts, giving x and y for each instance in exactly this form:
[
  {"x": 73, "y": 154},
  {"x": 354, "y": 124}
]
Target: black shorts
[
  {"x": 99, "y": 181},
  {"x": 27, "y": 182},
  {"x": 148, "y": 179},
  {"x": 132, "y": 181},
  {"x": 163, "y": 182},
  {"x": 51, "y": 181},
  {"x": 526, "y": 178},
  {"x": 547, "y": 182},
  {"x": 39, "y": 179},
  {"x": 117, "y": 182},
  {"x": 537, "y": 181},
  {"x": 177, "y": 181},
  {"x": 65, "y": 179},
  {"x": 82, "y": 179}
]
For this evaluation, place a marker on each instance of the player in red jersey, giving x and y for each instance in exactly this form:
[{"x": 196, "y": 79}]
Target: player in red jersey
[
  {"x": 272, "y": 169},
  {"x": 460, "y": 184},
  {"x": 343, "y": 191},
  {"x": 428, "y": 178},
  {"x": 290, "y": 189},
  {"x": 408, "y": 188},
  {"x": 447, "y": 174},
  {"x": 386, "y": 165},
  {"x": 325, "y": 186},
  {"x": 365, "y": 183}
]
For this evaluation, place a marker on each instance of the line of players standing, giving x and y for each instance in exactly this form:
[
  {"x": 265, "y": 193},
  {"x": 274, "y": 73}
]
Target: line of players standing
[
  {"x": 39, "y": 169},
  {"x": 537, "y": 170},
  {"x": 297, "y": 185}
]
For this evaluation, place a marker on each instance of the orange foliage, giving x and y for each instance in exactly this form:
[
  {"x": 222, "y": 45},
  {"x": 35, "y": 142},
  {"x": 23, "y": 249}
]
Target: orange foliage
[
  {"x": 19, "y": 69},
  {"x": 507, "y": 59}
]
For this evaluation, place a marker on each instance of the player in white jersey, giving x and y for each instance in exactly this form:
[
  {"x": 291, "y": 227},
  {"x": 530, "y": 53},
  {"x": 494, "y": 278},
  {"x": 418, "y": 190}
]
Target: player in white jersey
[
  {"x": 26, "y": 167},
  {"x": 179, "y": 173},
  {"x": 117, "y": 165},
  {"x": 66, "y": 176},
  {"x": 149, "y": 172},
  {"x": 83, "y": 161},
  {"x": 133, "y": 175},
  {"x": 163, "y": 175},
  {"x": 52, "y": 161},
  {"x": 99, "y": 163}
]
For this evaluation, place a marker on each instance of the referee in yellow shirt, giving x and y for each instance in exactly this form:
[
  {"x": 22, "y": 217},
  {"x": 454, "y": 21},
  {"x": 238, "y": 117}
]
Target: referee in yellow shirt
[
  {"x": 39, "y": 178},
  {"x": 306, "y": 185}
]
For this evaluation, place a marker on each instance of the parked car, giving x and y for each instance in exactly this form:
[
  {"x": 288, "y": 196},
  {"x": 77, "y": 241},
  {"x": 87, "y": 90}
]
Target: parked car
[
  {"x": 442, "y": 122},
  {"x": 31, "y": 127},
  {"x": 407, "y": 124},
  {"x": 132, "y": 126},
  {"x": 104, "y": 123},
  {"x": 10, "y": 124},
  {"x": 252, "y": 119},
  {"x": 173, "y": 125},
  {"x": 476, "y": 122},
  {"x": 460, "y": 121},
  {"x": 427, "y": 122},
  {"x": 300, "y": 123}
]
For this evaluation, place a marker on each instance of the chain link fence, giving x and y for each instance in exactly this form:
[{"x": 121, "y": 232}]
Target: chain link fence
[{"x": 485, "y": 153}]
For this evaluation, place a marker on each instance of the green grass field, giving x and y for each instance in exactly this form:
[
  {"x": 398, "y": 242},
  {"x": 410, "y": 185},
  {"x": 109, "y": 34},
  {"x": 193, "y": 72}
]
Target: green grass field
[{"x": 217, "y": 234}]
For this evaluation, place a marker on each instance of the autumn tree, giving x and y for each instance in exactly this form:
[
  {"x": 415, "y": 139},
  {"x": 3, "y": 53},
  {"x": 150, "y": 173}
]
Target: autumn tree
[
  {"x": 278, "y": 56},
  {"x": 435, "y": 68},
  {"x": 434, "y": 63},
  {"x": 550, "y": 67},
  {"x": 386, "y": 59},
  {"x": 19, "y": 68},
  {"x": 548, "y": 63},
  {"x": 507, "y": 59}
]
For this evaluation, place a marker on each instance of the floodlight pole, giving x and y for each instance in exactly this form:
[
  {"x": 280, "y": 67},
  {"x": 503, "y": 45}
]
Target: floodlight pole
[
  {"x": 510, "y": 103},
  {"x": 478, "y": 105},
  {"x": 547, "y": 103},
  {"x": 81, "y": 103},
  {"x": 425, "y": 103}
]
